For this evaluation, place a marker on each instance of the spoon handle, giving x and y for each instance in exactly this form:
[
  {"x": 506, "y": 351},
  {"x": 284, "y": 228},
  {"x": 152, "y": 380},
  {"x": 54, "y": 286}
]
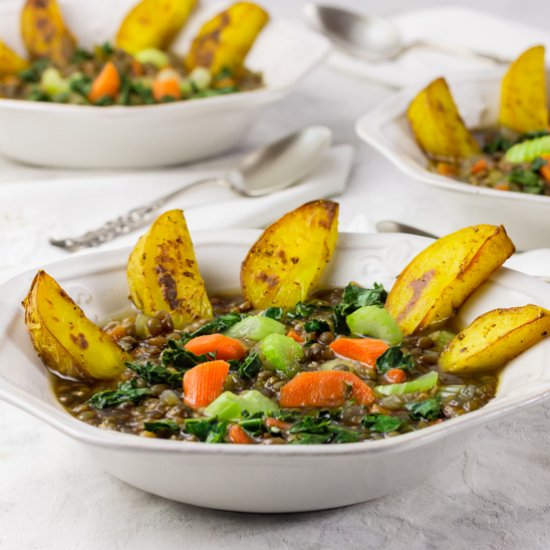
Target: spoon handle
[
  {"x": 129, "y": 222},
  {"x": 459, "y": 51}
]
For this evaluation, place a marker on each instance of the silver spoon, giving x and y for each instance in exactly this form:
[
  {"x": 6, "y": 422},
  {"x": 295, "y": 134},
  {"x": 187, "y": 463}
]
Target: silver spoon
[
  {"x": 261, "y": 172},
  {"x": 374, "y": 38}
]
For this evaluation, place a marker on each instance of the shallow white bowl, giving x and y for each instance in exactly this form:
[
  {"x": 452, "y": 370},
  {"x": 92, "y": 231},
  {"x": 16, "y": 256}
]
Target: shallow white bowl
[
  {"x": 154, "y": 135},
  {"x": 526, "y": 217},
  {"x": 260, "y": 478}
]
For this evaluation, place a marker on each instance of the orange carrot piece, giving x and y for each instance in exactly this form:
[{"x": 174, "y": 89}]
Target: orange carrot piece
[
  {"x": 295, "y": 336},
  {"x": 118, "y": 332},
  {"x": 237, "y": 435},
  {"x": 366, "y": 350},
  {"x": 223, "y": 346},
  {"x": 166, "y": 87},
  {"x": 446, "y": 169},
  {"x": 396, "y": 376},
  {"x": 545, "y": 170},
  {"x": 480, "y": 166},
  {"x": 204, "y": 382},
  {"x": 106, "y": 84},
  {"x": 502, "y": 187},
  {"x": 325, "y": 389},
  {"x": 136, "y": 68},
  {"x": 271, "y": 422}
]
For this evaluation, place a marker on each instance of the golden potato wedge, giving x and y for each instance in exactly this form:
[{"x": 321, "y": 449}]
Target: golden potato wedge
[
  {"x": 163, "y": 274},
  {"x": 10, "y": 62},
  {"x": 153, "y": 24},
  {"x": 65, "y": 339},
  {"x": 438, "y": 126},
  {"x": 286, "y": 262},
  {"x": 523, "y": 101},
  {"x": 224, "y": 41},
  {"x": 439, "y": 279},
  {"x": 44, "y": 31},
  {"x": 495, "y": 338}
]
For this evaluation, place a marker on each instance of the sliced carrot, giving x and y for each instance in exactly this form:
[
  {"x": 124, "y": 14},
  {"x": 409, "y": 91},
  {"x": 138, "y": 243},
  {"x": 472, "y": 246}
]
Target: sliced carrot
[
  {"x": 545, "y": 170},
  {"x": 271, "y": 422},
  {"x": 396, "y": 376},
  {"x": 222, "y": 346},
  {"x": 446, "y": 169},
  {"x": 502, "y": 187},
  {"x": 237, "y": 435},
  {"x": 106, "y": 84},
  {"x": 480, "y": 166},
  {"x": 204, "y": 382},
  {"x": 117, "y": 332},
  {"x": 136, "y": 68},
  {"x": 325, "y": 389},
  {"x": 366, "y": 350},
  {"x": 166, "y": 87},
  {"x": 295, "y": 336}
]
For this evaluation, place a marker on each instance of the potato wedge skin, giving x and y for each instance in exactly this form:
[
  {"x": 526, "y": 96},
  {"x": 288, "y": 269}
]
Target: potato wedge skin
[
  {"x": 163, "y": 274},
  {"x": 495, "y": 338},
  {"x": 286, "y": 262},
  {"x": 65, "y": 339},
  {"x": 44, "y": 31},
  {"x": 439, "y": 279},
  {"x": 523, "y": 102},
  {"x": 10, "y": 62},
  {"x": 225, "y": 40},
  {"x": 153, "y": 24},
  {"x": 438, "y": 126}
]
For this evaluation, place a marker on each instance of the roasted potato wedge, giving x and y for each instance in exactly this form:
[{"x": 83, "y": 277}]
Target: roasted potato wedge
[
  {"x": 10, "y": 62},
  {"x": 438, "y": 126},
  {"x": 523, "y": 101},
  {"x": 44, "y": 31},
  {"x": 287, "y": 260},
  {"x": 495, "y": 338},
  {"x": 153, "y": 24},
  {"x": 224, "y": 41},
  {"x": 442, "y": 276},
  {"x": 163, "y": 274},
  {"x": 65, "y": 339}
]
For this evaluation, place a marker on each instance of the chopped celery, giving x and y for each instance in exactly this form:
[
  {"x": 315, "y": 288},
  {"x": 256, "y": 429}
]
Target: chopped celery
[
  {"x": 376, "y": 322},
  {"x": 255, "y": 327},
  {"x": 529, "y": 150},
  {"x": 53, "y": 83},
  {"x": 441, "y": 338},
  {"x": 153, "y": 56},
  {"x": 225, "y": 407},
  {"x": 422, "y": 383},
  {"x": 255, "y": 402},
  {"x": 281, "y": 353},
  {"x": 142, "y": 329},
  {"x": 451, "y": 390},
  {"x": 229, "y": 406},
  {"x": 200, "y": 77}
]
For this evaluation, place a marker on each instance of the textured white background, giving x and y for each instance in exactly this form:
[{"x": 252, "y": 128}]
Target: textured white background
[{"x": 52, "y": 495}]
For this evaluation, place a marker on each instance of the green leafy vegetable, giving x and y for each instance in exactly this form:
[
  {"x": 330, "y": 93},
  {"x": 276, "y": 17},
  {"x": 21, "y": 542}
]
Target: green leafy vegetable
[
  {"x": 34, "y": 73},
  {"x": 381, "y": 423},
  {"x": 316, "y": 325},
  {"x": 301, "y": 311},
  {"x": 219, "y": 324},
  {"x": 394, "y": 358},
  {"x": 126, "y": 392},
  {"x": 429, "y": 409},
  {"x": 498, "y": 145},
  {"x": 274, "y": 313},
  {"x": 162, "y": 427},
  {"x": 538, "y": 163},
  {"x": 530, "y": 181},
  {"x": 211, "y": 430},
  {"x": 81, "y": 86},
  {"x": 314, "y": 430},
  {"x": 156, "y": 374},
  {"x": 80, "y": 55},
  {"x": 248, "y": 367},
  {"x": 175, "y": 355}
]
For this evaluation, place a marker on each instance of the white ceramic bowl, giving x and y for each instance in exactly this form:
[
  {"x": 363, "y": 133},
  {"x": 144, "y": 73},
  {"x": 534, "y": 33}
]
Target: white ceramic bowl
[
  {"x": 260, "y": 478},
  {"x": 154, "y": 135},
  {"x": 456, "y": 204}
]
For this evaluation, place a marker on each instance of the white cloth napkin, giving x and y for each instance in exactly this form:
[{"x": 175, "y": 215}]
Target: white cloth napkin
[
  {"x": 32, "y": 212},
  {"x": 453, "y": 25}
]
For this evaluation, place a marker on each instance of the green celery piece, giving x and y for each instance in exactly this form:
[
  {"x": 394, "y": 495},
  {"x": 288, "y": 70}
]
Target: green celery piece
[
  {"x": 422, "y": 383},
  {"x": 255, "y": 327},
  {"x": 528, "y": 151},
  {"x": 153, "y": 56},
  {"x": 256, "y": 402},
  {"x": 376, "y": 322},
  {"x": 281, "y": 353},
  {"x": 441, "y": 338},
  {"x": 227, "y": 406},
  {"x": 53, "y": 83}
]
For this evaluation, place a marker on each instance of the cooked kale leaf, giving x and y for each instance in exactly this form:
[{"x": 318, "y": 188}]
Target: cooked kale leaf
[
  {"x": 126, "y": 391},
  {"x": 530, "y": 181},
  {"x": 301, "y": 311},
  {"x": 394, "y": 358},
  {"x": 211, "y": 430},
  {"x": 162, "y": 427},
  {"x": 248, "y": 367},
  {"x": 429, "y": 409},
  {"x": 316, "y": 325},
  {"x": 381, "y": 423},
  {"x": 219, "y": 324},
  {"x": 274, "y": 313},
  {"x": 155, "y": 374},
  {"x": 175, "y": 355}
]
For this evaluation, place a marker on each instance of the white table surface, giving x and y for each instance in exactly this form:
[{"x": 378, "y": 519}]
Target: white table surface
[{"x": 497, "y": 496}]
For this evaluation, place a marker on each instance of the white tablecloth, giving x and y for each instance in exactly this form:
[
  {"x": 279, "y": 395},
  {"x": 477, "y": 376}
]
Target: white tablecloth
[{"x": 53, "y": 496}]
